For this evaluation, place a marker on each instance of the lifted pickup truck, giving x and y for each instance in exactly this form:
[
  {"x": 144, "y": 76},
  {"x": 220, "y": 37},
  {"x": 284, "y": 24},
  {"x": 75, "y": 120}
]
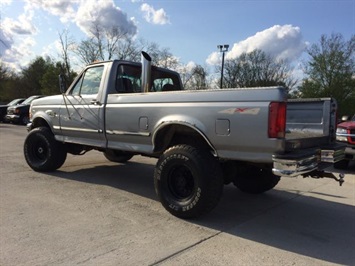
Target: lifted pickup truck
[{"x": 203, "y": 139}]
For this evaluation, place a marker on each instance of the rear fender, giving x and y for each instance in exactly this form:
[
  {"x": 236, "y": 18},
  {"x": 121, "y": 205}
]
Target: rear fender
[{"x": 165, "y": 131}]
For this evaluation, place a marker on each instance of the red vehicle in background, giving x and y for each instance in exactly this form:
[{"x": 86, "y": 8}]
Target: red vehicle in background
[{"x": 346, "y": 134}]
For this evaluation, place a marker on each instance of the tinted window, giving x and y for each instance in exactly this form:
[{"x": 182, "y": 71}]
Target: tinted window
[{"x": 128, "y": 80}]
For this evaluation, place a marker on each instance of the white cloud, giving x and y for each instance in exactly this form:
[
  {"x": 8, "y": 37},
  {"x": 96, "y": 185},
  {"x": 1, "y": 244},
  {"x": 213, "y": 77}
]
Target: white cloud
[
  {"x": 283, "y": 42},
  {"x": 190, "y": 65},
  {"x": 154, "y": 16},
  {"x": 6, "y": 40},
  {"x": 105, "y": 14},
  {"x": 15, "y": 56},
  {"x": 86, "y": 13},
  {"x": 184, "y": 68},
  {"x": 5, "y": 3},
  {"x": 214, "y": 58},
  {"x": 15, "y": 50},
  {"x": 65, "y": 9},
  {"x": 51, "y": 49},
  {"x": 10, "y": 28},
  {"x": 22, "y": 26}
]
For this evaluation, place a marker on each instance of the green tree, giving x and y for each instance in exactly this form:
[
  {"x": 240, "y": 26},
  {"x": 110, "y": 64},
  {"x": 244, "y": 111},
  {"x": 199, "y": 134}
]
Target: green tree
[
  {"x": 3, "y": 80},
  {"x": 31, "y": 76},
  {"x": 331, "y": 71},
  {"x": 49, "y": 81},
  {"x": 9, "y": 88}
]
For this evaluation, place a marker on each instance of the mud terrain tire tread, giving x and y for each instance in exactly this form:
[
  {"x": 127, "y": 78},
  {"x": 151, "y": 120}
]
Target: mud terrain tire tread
[
  {"x": 188, "y": 181},
  {"x": 42, "y": 152}
]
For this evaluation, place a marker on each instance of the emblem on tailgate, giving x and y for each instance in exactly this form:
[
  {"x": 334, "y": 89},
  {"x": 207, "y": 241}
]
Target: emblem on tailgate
[{"x": 243, "y": 111}]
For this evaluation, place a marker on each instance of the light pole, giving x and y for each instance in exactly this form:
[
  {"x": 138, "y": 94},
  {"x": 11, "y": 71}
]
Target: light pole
[{"x": 222, "y": 49}]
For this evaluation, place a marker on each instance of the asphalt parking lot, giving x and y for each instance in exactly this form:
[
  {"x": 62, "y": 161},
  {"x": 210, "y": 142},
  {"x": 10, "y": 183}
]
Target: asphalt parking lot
[{"x": 95, "y": 212}]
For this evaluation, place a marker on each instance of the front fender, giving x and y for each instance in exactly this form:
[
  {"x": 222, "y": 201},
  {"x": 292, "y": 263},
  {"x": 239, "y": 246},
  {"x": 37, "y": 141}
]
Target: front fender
[{"x": 43, "y": 118}]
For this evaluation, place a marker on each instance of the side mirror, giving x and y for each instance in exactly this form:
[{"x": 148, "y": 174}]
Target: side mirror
[{"x": 62, "y": 83}]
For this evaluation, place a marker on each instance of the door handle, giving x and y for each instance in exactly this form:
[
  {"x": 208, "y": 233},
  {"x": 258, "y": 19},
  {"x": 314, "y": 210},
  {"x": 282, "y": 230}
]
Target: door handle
[{"x": 95, "y": 102}]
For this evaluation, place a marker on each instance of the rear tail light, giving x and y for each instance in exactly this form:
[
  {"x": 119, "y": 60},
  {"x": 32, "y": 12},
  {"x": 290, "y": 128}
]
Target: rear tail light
[{"x": 277, "y": 119}]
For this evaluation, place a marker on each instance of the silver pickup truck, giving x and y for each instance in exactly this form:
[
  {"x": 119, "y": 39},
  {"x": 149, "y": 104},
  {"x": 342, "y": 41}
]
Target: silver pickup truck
[{"x": 202, "y": 139}]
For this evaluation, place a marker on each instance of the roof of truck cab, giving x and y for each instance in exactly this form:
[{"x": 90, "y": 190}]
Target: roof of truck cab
[
  {"x": 110, "y": 61},
  {"x": 130, "y": 63}
]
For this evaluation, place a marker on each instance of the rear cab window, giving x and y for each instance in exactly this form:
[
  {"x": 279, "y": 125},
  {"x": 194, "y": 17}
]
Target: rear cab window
[{"x": 128, "y": 80}]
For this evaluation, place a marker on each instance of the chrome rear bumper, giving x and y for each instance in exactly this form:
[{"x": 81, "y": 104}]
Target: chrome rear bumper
[{"x": 302, "y": 162}]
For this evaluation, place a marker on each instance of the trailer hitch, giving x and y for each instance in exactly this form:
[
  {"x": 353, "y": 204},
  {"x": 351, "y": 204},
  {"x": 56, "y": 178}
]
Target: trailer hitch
[{"x": 322, "y": 174}]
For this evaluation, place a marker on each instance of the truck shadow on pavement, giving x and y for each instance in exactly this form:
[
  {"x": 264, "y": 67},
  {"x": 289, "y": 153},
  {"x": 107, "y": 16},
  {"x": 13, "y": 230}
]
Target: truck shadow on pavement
[
  {"x": 294, "y": 221},
  {"x": 307, "y": 223},
  {"x": 349, "y": 170},
  {"x": 133, "y": 177}
]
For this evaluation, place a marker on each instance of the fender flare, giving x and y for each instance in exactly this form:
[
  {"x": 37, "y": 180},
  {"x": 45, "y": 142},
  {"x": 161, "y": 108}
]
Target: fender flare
[
  {"x": 163, "y": 124},
  {"x": 42, "y": 118}
]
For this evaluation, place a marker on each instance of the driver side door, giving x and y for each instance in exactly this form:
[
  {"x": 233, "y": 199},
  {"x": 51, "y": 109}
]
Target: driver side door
[{"x": 81, "y": 116}]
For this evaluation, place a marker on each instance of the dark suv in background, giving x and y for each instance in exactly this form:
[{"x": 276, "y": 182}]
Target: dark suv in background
[
  {"x": 3, "y": 108},
  {"x": 19, "y": 114}
]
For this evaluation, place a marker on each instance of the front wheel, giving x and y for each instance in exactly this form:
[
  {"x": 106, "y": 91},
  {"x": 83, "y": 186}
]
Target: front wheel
[
  {"x": 42, "y": 152},
  {"x": 188, "y": 181}
]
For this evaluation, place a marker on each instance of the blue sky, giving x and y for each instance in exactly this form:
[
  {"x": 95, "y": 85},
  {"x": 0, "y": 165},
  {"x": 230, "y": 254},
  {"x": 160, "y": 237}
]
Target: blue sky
[{"x": 191, "y": 29}]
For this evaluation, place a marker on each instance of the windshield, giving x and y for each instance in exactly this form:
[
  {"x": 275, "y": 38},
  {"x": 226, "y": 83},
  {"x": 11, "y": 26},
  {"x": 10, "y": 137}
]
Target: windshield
[
  {"x": 13, "y": 102},
  {"x": 29, "y": 100}
]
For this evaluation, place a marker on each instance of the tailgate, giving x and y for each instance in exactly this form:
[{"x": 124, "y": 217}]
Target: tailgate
[
  {"x": 310, "y": 144},
  {"x": 310, "y": 123}
]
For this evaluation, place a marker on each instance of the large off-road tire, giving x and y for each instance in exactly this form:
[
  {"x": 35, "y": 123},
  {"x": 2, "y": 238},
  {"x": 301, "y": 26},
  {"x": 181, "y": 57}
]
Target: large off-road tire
[
  {"x": 256, "y": 180},
  {"x": 118, "y": 156},
  {"x": 42, "y": 152},
  {"x": 188, "y": 181}
]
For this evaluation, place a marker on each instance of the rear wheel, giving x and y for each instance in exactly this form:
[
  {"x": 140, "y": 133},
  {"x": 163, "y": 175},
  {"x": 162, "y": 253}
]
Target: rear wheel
[
  {"x": 188, "y": 181},
  {"x": 42, "y": 152}
]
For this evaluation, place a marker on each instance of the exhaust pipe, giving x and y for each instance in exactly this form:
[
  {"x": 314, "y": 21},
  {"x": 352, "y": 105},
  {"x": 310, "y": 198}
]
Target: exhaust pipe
[{"x": 146, "y": 77}]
